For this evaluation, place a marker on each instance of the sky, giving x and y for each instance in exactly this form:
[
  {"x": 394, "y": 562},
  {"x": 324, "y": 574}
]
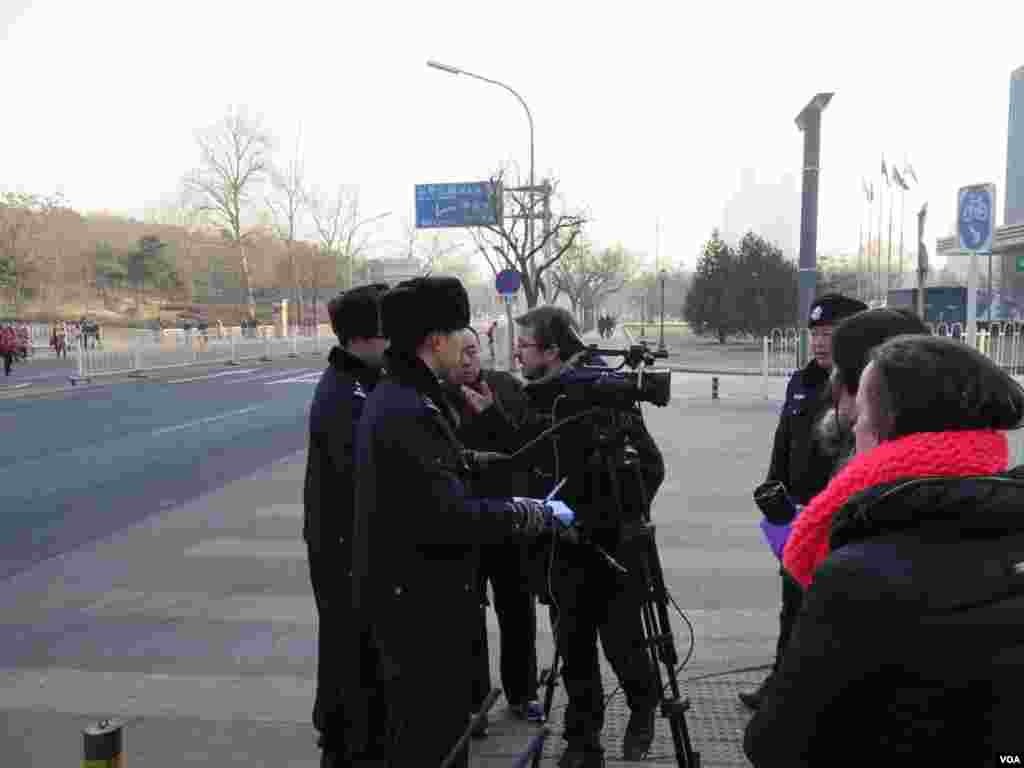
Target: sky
[{"x": 648, "y": 113}]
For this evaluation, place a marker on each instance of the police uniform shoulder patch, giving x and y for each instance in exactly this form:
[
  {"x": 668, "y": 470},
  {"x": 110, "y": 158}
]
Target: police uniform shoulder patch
[{"x": 816, "y": 313}]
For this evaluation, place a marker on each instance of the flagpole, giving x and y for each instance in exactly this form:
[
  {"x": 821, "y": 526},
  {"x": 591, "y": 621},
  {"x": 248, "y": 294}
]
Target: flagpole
[
  {"x": 878, "y": 257},
  {"x": 860, "y": 257},
  {"x": 903, "y": 208},
  {"x": 868, "y": 274},
  {"x": 888, "y": 265}
]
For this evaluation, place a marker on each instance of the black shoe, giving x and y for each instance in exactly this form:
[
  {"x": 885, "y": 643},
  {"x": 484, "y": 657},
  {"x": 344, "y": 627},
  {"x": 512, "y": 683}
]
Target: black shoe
[
  {"x": 581, "y": 758},
  {"x": 639, "y": 735},
  {"x": 753, "y": 698}
]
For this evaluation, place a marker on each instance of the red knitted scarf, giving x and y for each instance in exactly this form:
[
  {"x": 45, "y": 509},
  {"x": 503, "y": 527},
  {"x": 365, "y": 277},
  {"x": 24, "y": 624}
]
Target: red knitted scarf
[{"x": 925, "y": 454}]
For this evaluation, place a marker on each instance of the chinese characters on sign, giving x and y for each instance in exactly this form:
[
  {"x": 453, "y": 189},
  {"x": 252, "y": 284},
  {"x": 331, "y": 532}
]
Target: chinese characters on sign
[{"x": 472, "y": 204}]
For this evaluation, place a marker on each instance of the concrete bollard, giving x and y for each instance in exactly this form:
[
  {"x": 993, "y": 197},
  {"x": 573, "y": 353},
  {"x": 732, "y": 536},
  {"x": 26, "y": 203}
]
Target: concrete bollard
[
  {"x": 266, "y": 347},
  {"x": 714, "y": 387},
  {"x": 103, "y": 745}
]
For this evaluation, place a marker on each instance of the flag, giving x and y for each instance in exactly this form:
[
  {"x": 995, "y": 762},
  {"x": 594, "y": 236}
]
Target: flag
[
  {"x": 885, "y": 172},
  {"x": 871, "y": 192},
  {"x": 909, "y": 170},
  {"x": 899, "y": 179},
  {"x": 867, "y": 191}
]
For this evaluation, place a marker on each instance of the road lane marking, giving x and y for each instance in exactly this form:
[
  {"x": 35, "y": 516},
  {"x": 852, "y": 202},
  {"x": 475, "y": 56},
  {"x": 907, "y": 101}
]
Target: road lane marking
[
  {"x": 207, "y": 420},
  {"x": 309, "y": 378},
  {"x": 275, "y": 374},
  {"x": 212, "y": 376}
]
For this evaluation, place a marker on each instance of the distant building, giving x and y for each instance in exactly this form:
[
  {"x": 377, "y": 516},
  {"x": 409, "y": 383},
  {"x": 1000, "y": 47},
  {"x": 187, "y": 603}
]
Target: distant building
[
  {"x": 1008, "y": 243},
  {"x": 392, "y": 271},
  {"x": 1015, "y": 152}
]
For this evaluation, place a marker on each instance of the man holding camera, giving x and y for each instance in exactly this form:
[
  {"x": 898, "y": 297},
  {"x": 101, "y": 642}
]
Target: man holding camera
[
  {"x": 801, "y": 460},
  {"x": 588, "y": 597},
  {"x": 415, "y": 563}
]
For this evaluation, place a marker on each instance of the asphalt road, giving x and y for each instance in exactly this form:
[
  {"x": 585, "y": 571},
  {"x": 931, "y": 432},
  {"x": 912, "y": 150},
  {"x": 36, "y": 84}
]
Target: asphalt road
[{"x": 80, "y": 462}]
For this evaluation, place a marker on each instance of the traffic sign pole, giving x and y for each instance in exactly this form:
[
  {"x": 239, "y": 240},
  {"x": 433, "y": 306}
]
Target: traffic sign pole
[{"x": 976, "y": 230}]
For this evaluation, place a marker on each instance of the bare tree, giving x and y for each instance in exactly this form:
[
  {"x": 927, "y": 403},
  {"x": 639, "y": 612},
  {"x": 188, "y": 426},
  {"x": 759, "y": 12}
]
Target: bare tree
[
  {"x": 235, "y": 157},
  {"x": 587, "y": 278},
  {"x": 507, "y": 247},
  {"x": 336, "y": 220},
  {"x": 287, "y": 207},
  {"x": 434, "y": 250}
]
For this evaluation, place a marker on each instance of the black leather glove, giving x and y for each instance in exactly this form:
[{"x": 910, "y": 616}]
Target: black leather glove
[
  {"x": 529, "y": 515},
  {"x": 775, "y": 504}
]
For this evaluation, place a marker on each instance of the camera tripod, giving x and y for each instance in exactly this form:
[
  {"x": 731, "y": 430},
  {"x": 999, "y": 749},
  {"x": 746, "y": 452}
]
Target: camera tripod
[{"x": 616, "y": 459}]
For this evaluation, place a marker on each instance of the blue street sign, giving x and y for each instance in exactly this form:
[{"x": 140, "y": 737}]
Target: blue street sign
[
  {"x": 976, "y": 217},
  {"x": 507, "y": 281},
  {"x": 472, "y": 204}
]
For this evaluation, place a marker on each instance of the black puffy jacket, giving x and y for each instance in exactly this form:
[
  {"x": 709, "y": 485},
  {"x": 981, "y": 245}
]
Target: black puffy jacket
[{"x": 911, "y": 639}]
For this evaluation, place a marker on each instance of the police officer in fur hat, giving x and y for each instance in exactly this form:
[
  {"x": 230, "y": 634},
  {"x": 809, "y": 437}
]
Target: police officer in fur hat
[
  {"x": 353, "y": 369},
  {"x": 800, "y": 459},
  {"x": 418, "y": 529}
]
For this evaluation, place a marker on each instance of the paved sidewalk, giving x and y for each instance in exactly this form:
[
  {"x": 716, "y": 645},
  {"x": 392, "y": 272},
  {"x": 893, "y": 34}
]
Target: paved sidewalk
[{"x": 198, "y": 624}]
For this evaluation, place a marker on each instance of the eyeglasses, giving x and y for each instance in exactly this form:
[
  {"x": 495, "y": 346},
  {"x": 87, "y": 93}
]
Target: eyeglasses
[{"x": 521, "y": 345}]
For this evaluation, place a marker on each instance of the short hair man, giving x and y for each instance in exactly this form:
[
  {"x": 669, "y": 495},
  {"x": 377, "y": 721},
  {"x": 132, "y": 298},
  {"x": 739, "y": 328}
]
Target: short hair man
[
  {"x": 418, "y": 530},
  {"x": 551, "y": 357},
  {"x": 353, "y": 369},
  {"x": 801, "y": 459}
]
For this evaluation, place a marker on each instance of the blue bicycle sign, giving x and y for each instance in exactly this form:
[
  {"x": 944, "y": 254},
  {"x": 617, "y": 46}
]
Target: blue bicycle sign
[{"x": 975, "y": 217}]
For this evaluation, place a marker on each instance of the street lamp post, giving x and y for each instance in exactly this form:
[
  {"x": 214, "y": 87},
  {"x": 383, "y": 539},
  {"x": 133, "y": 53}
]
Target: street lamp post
[
  {"x": 348, "y": 243},
  {"x": 661, "y": 343},
  {"x": 809, "y": 122},
  {"x": 529, "y": 220}
]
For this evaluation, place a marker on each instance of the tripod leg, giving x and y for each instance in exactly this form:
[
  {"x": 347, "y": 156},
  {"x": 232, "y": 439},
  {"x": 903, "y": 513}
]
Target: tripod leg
[
  {"x": 550, "y": 683},
  {"x": 662, "y": 647}
]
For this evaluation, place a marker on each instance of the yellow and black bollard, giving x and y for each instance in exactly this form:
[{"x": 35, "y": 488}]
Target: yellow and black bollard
[
  {"x": 714, "y": 387},
  {"x": 104, "y": 745}
]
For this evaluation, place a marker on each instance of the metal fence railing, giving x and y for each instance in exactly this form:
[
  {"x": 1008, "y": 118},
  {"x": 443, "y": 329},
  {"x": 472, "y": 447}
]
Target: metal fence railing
[
  {"x": 1003, "y": 343},
  {"x": 145, "y": 355}
]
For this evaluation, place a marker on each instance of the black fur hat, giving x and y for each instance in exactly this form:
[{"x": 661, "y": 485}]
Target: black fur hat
[
  {"x": 833, "y": 307},
  {"x": 356, "y": 313},
  {"x": 416, "y": 308}
]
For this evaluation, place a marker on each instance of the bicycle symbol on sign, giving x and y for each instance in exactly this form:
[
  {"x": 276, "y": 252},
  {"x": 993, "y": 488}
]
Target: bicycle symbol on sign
[{"x": 974, "y": 217}]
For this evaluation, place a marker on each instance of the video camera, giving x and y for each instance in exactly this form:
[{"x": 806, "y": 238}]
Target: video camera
[{"x": 614, "y": 388}]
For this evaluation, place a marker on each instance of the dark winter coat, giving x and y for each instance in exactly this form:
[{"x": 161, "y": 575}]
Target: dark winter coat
[
  {"x": 417, "y": 530},
  {"x": 910, "y": 645},
  {"x": 800, "y": 460},
  {"x": 328, "y": 495}
]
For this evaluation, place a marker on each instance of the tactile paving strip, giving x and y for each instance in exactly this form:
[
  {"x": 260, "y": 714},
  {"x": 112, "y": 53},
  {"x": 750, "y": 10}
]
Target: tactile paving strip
[{"x": 715, "y": 721}]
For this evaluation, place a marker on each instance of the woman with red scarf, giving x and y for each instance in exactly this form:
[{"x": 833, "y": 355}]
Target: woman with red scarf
[{"x": 911, "y": 638}]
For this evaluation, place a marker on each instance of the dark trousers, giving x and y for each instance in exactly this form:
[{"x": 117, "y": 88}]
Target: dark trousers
[
  {"x": 8, "y": 361},
  {"x": 792, "y": 599},
  {"x": 516, "y": 609},
  {"x": 605, "y": 606},
  {"x": 331, "y": 591}
]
